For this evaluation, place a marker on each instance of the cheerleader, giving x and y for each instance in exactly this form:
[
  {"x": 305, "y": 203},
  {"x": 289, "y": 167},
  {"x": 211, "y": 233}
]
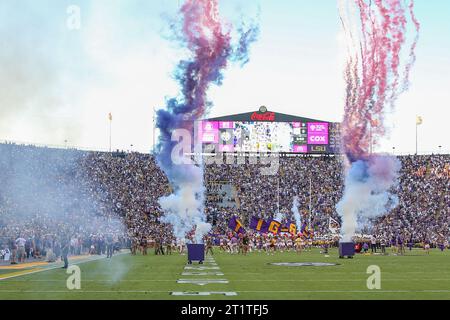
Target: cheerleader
[
  {"x": 267, "y": 244},
  {"x": 280, "y": 244},
  {"x": 426, "y": 247},
  {"x": 289, "y": 244},
  {"x": 251, "y": 244},
  {"x": 299, "y": 244},
  {"x": 222, "y": 245},
  {"x": 260, "y": 243},
  {"x": 310, "y": 244}
]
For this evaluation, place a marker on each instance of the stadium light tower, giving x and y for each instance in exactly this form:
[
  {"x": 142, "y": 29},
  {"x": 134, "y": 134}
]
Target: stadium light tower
[
  {"x": 110, "y": 118},
  {"x": 419, "y": 122},
  {"x": 310, "y": 202},
  {"x": 278, "y": 196},
  {"x": 154, "y": 129}
]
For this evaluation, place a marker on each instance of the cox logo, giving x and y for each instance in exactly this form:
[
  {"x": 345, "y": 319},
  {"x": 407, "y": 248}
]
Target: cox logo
[{"x": 317, "y": 139}]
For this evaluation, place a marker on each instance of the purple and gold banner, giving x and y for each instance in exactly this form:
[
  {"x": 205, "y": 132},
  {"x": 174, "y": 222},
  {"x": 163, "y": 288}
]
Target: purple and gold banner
[
  {"x": 236, "y": 225},
  {"x": 274, "y": 226},
  {"x": 259, "y": 225}
]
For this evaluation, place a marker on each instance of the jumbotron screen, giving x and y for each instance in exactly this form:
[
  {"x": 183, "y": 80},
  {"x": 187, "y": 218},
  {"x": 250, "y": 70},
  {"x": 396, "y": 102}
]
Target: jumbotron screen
[{"x": 258, "y": 136}]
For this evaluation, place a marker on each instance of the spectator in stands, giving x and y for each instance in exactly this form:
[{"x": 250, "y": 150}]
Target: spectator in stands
[{"x": 86, "y": 194}]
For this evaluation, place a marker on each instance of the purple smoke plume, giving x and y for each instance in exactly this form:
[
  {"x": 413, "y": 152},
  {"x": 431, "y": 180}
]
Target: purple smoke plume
[{"x": 210, "y": 50}]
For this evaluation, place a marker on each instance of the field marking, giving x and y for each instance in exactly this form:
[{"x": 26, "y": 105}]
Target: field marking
[
  {"x": 202, "y": 274},
  {"x": 22, "y": 266},
  {"x": 200, "y": 268},
  {"x": 351, "y": 291},
  {"x": 202, "y": 282},
  {"x": 211, "y": 264},
  {"x": 32, "y": 264},
  {"x": 203, "y": 293},
  {"x": 17, "y": 273},
  {"x": 247, "y": 291},
  {"x": 221, "y": 274},
  {"x": 56, "y": 266}
]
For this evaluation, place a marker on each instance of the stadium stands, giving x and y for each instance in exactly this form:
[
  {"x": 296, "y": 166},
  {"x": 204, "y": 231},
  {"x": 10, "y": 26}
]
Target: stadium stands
[{"x": 47, "y": 191}]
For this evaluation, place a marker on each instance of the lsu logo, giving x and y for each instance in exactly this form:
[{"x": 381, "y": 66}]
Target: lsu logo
[{"x": 274, "y": 226}]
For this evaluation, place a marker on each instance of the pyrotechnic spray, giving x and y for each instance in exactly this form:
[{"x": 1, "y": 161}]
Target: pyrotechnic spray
[
  {"x": 210, "y": 47},
  {"x": 374, "y": 82},
  {"x": 296, "y": 213}
]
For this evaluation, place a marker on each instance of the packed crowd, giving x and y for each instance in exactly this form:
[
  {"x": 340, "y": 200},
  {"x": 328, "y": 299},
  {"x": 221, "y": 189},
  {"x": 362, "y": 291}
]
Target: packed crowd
[
  {"x": 53, "y": 193},
  {"x": 423, "y": 212},
  {"x": 48, "y": 195},
  {"x": 244, "y": 243}
]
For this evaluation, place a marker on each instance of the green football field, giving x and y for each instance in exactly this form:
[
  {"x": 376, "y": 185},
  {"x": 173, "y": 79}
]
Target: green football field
[{"x": 413, "y": 276}]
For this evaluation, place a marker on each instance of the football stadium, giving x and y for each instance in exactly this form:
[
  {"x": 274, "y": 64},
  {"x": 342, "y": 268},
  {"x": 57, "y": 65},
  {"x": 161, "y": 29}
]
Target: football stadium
[{"x": 202, "y": 200}]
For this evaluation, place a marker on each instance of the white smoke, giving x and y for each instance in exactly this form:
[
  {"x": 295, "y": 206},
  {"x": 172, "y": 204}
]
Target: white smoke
[
  {"x": 366, "y": 193},
  {"x": 296, "y": 213},
  {"x": 279, "y": 216},
  {"x": 184, "y": 209}
]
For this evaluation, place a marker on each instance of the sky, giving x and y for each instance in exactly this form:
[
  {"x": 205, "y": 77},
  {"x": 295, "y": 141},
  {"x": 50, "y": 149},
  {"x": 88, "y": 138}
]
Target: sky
[{"x": 57, "y": 84}]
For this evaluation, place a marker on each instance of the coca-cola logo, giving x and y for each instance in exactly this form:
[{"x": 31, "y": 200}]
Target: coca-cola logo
[
  {"x": 268, "y": 116},
  {"x": 318, "y": 127}
]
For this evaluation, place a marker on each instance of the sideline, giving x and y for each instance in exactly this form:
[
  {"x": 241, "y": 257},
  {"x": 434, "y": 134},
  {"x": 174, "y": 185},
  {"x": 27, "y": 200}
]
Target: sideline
[{"x": 55, "y": 265}]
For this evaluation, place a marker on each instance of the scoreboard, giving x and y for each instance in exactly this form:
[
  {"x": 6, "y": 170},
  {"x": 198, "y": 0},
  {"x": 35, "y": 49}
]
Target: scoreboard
[{"x": 298, "y": 137}]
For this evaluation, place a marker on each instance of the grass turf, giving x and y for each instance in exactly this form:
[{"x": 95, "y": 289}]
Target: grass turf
[{"x": 413, "y": 276}]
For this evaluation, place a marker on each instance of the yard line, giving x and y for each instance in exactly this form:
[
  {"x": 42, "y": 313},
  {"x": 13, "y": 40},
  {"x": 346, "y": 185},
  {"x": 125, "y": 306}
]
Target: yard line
[
  {"x": 249, "y": 291},
  {"x": 57, "y": 266},
  {"x": 235, "y": 280}
]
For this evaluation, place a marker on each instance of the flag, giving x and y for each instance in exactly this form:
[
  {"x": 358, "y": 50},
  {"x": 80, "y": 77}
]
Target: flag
[
  {"x": 258, "y": 224},
  {"x": 289, "y": 227},
  {"x": 236, "y": 225},
  {"x": 419, "y": 120},
  {"x": 274, "y": 226},
  {"x": 306, "y": 231},
  {"x": 310, "y": 233},
  {"x": 292, "y": 228},
  {"x": 304, "y": 228},
  {"x": 110, "y": 116},
  {"x": 333, "y": 225}
]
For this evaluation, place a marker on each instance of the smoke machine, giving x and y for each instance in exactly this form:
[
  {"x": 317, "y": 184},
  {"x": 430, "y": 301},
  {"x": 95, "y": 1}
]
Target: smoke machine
[
  {"x": 346, "y": 249},
  {"x": 196, "y": 252}
]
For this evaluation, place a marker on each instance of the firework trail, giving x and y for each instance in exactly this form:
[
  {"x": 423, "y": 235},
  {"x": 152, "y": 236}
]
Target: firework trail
[
  {"x": 374, "y": 81},
  {"x": 210, "y": 47},
  {"x": 248, "y": 35}
]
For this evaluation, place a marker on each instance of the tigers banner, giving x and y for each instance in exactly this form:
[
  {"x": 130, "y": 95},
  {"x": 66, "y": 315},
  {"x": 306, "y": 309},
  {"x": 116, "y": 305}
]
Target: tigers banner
[
  {"x": 292, "y": 228},
  {"x": 236, "y": 225},
  {"x": 289, "y": 227},
  {"x": 274, "y": 226},
  {"x": 259, "y": 225}
]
